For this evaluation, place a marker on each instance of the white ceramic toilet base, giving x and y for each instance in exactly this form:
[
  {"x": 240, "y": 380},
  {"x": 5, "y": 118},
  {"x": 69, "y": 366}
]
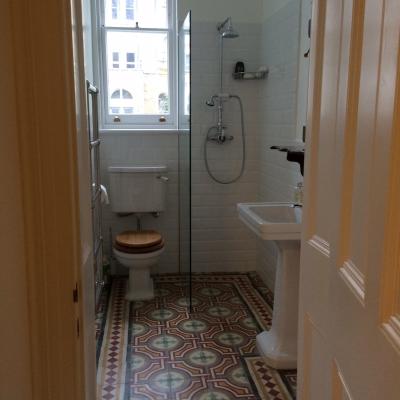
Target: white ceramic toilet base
[
  {"x": 140, "y": 285},
  {"x": 278, "y": 346}
]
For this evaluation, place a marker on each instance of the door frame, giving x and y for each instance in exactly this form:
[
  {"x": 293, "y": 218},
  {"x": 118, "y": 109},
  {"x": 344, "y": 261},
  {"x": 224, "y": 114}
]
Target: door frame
[{"x": 48, "y": 125}]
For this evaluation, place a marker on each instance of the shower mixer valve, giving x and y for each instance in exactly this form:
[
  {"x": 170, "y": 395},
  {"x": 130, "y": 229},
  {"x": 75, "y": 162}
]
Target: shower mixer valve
[
  {"x": 220, "y": 139},
  {"x": 221, "y": 97}
]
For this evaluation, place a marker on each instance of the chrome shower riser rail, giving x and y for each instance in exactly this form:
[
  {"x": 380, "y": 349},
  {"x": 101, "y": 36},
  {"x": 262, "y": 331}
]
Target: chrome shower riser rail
[{"x": 94, "y": 151}]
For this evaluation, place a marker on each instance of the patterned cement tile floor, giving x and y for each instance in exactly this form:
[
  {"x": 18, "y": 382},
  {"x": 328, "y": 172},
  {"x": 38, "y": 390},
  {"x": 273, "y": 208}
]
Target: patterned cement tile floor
[{"x": 157, "y": 350}]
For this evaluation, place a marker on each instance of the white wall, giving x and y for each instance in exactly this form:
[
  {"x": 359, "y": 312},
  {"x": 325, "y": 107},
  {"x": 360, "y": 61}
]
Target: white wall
[
  {"x": 278, "y": 102},
  {"x": 249, "y": 11},
  {"x": 220, "y": 242},
  {"x": 87, "y": 26},
  {"x": 270, "y": 7}
]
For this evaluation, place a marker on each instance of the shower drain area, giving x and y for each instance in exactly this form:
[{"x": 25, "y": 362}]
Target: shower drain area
[{"x": 157, "y": 350}]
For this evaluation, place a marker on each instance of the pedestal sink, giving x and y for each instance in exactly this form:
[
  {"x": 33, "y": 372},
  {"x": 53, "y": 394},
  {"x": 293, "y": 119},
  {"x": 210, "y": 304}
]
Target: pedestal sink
[{"x": 281, "y": 224}]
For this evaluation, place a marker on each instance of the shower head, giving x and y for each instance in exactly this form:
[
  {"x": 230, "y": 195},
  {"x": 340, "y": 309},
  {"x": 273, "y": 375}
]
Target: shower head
[
  {"x": 230, "y": 34},
  {"x": 226, "y": 29}
]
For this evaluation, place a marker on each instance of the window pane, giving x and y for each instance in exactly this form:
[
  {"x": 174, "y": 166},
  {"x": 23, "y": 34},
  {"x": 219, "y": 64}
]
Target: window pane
[
  {"x": 130, "y": 60},
  {"x": 140, "y": 87},
  {"x": 129, "y": 14},
  {"x": 129, "y": 9},
  {"x": 163, "y": 104},
  {"x": 126, "y": 94},
  {"x": 147, "y": 13},
  {"x": 115, "y": 58},
  {"x": 114, "y": 9},
  {"x": 116, "y": 94}
]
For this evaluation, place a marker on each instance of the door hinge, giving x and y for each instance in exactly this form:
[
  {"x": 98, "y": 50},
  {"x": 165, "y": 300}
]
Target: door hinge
[{"x": 75, "y": 294}]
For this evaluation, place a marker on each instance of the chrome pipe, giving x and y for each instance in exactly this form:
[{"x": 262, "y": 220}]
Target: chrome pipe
[{"x": 222, "y": 24}]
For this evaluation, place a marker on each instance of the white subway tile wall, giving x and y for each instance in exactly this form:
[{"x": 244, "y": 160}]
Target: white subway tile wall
[
  {"x": 220, "y": 241},
  {"x": 278, "y": 104}
]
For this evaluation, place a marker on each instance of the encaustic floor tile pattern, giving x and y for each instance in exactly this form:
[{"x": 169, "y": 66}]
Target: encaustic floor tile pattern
[{"x": 158, "y": 350}]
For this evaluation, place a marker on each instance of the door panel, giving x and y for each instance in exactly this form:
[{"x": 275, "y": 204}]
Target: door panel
[
  {"x": 349, "y": 323},
  {"x": 389, "y": 101},
  {"x": 340, "y": 390},
  {"x": 316, "y": 356},
  {"x": 324, "y": 188}
]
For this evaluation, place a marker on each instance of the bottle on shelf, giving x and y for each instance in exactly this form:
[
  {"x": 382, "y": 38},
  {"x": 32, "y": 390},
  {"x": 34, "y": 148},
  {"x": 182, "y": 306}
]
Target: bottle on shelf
[{"x": 298, "y": 194}]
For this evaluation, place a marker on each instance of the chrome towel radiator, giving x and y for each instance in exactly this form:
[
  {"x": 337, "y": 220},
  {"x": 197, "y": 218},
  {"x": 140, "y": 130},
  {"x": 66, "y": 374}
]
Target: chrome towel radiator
[{"x": 94, "y": 150}]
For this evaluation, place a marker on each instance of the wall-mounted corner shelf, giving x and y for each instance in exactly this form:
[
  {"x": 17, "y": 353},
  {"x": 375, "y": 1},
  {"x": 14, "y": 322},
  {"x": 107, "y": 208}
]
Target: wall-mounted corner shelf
[{"x": 247, "y": 76}]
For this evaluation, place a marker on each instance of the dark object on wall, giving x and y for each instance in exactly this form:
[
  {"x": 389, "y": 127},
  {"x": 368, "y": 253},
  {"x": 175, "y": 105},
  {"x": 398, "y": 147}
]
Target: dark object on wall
[
  {"x": 294, "y": 154},
  {"x": 239, "y": 67}
]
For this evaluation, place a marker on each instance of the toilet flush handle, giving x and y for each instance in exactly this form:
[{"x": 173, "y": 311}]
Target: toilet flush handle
[{"x": 163, "y": 178}]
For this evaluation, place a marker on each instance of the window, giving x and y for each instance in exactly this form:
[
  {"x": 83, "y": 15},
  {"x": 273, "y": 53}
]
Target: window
[
  {"x": 163, "y": 103},
  {"x": 115, "y": 60},
  {"x": 114, "y": 9},
  {"x": 129, "y": 9},
  {"x": 121, "y": 102},
  {"x": 137, "y": 48},
  {"x": 121, "y": 94},
  {"x": 119, "y": 110},
  {"x": 130, "y": 60}
]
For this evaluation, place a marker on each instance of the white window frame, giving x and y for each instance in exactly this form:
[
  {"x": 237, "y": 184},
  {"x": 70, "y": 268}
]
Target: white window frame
[{"x": 138, "y": 122}]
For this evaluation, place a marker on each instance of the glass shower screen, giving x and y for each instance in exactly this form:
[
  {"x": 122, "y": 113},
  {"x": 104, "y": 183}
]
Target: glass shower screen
[{"x": 185, "y": 155}]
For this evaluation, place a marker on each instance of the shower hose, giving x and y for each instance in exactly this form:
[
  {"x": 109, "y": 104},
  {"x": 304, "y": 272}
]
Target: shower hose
[{"x": 205, "y": 149}]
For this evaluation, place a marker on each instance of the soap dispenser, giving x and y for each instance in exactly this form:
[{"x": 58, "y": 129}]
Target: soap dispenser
[{"x": 298, "y": 194}]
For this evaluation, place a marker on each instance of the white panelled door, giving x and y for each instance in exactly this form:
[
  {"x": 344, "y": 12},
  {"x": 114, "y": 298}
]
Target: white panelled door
[{"x": 349, "y": 333}]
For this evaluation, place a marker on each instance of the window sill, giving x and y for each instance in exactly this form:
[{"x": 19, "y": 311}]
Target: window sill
[{"x": 130, "y": 131}]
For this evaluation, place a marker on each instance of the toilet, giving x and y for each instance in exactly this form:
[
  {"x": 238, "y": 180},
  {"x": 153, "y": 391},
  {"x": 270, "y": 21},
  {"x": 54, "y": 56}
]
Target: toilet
[{"x": 138, "y": 190}]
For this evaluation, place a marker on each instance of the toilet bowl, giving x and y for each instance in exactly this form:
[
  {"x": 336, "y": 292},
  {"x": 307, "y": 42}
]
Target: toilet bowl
[{"x": 139, "y": 251}]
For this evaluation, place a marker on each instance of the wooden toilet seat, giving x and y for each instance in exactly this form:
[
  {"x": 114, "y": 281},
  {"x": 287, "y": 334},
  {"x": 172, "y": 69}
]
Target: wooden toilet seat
[{"x": 136, "y": 242}]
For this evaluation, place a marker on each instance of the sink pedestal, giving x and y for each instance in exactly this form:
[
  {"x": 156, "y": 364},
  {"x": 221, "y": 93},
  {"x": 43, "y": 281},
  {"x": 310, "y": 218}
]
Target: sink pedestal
[
  {"x": 278, "y": 346},
  {"x": 281, "y": 224}
]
